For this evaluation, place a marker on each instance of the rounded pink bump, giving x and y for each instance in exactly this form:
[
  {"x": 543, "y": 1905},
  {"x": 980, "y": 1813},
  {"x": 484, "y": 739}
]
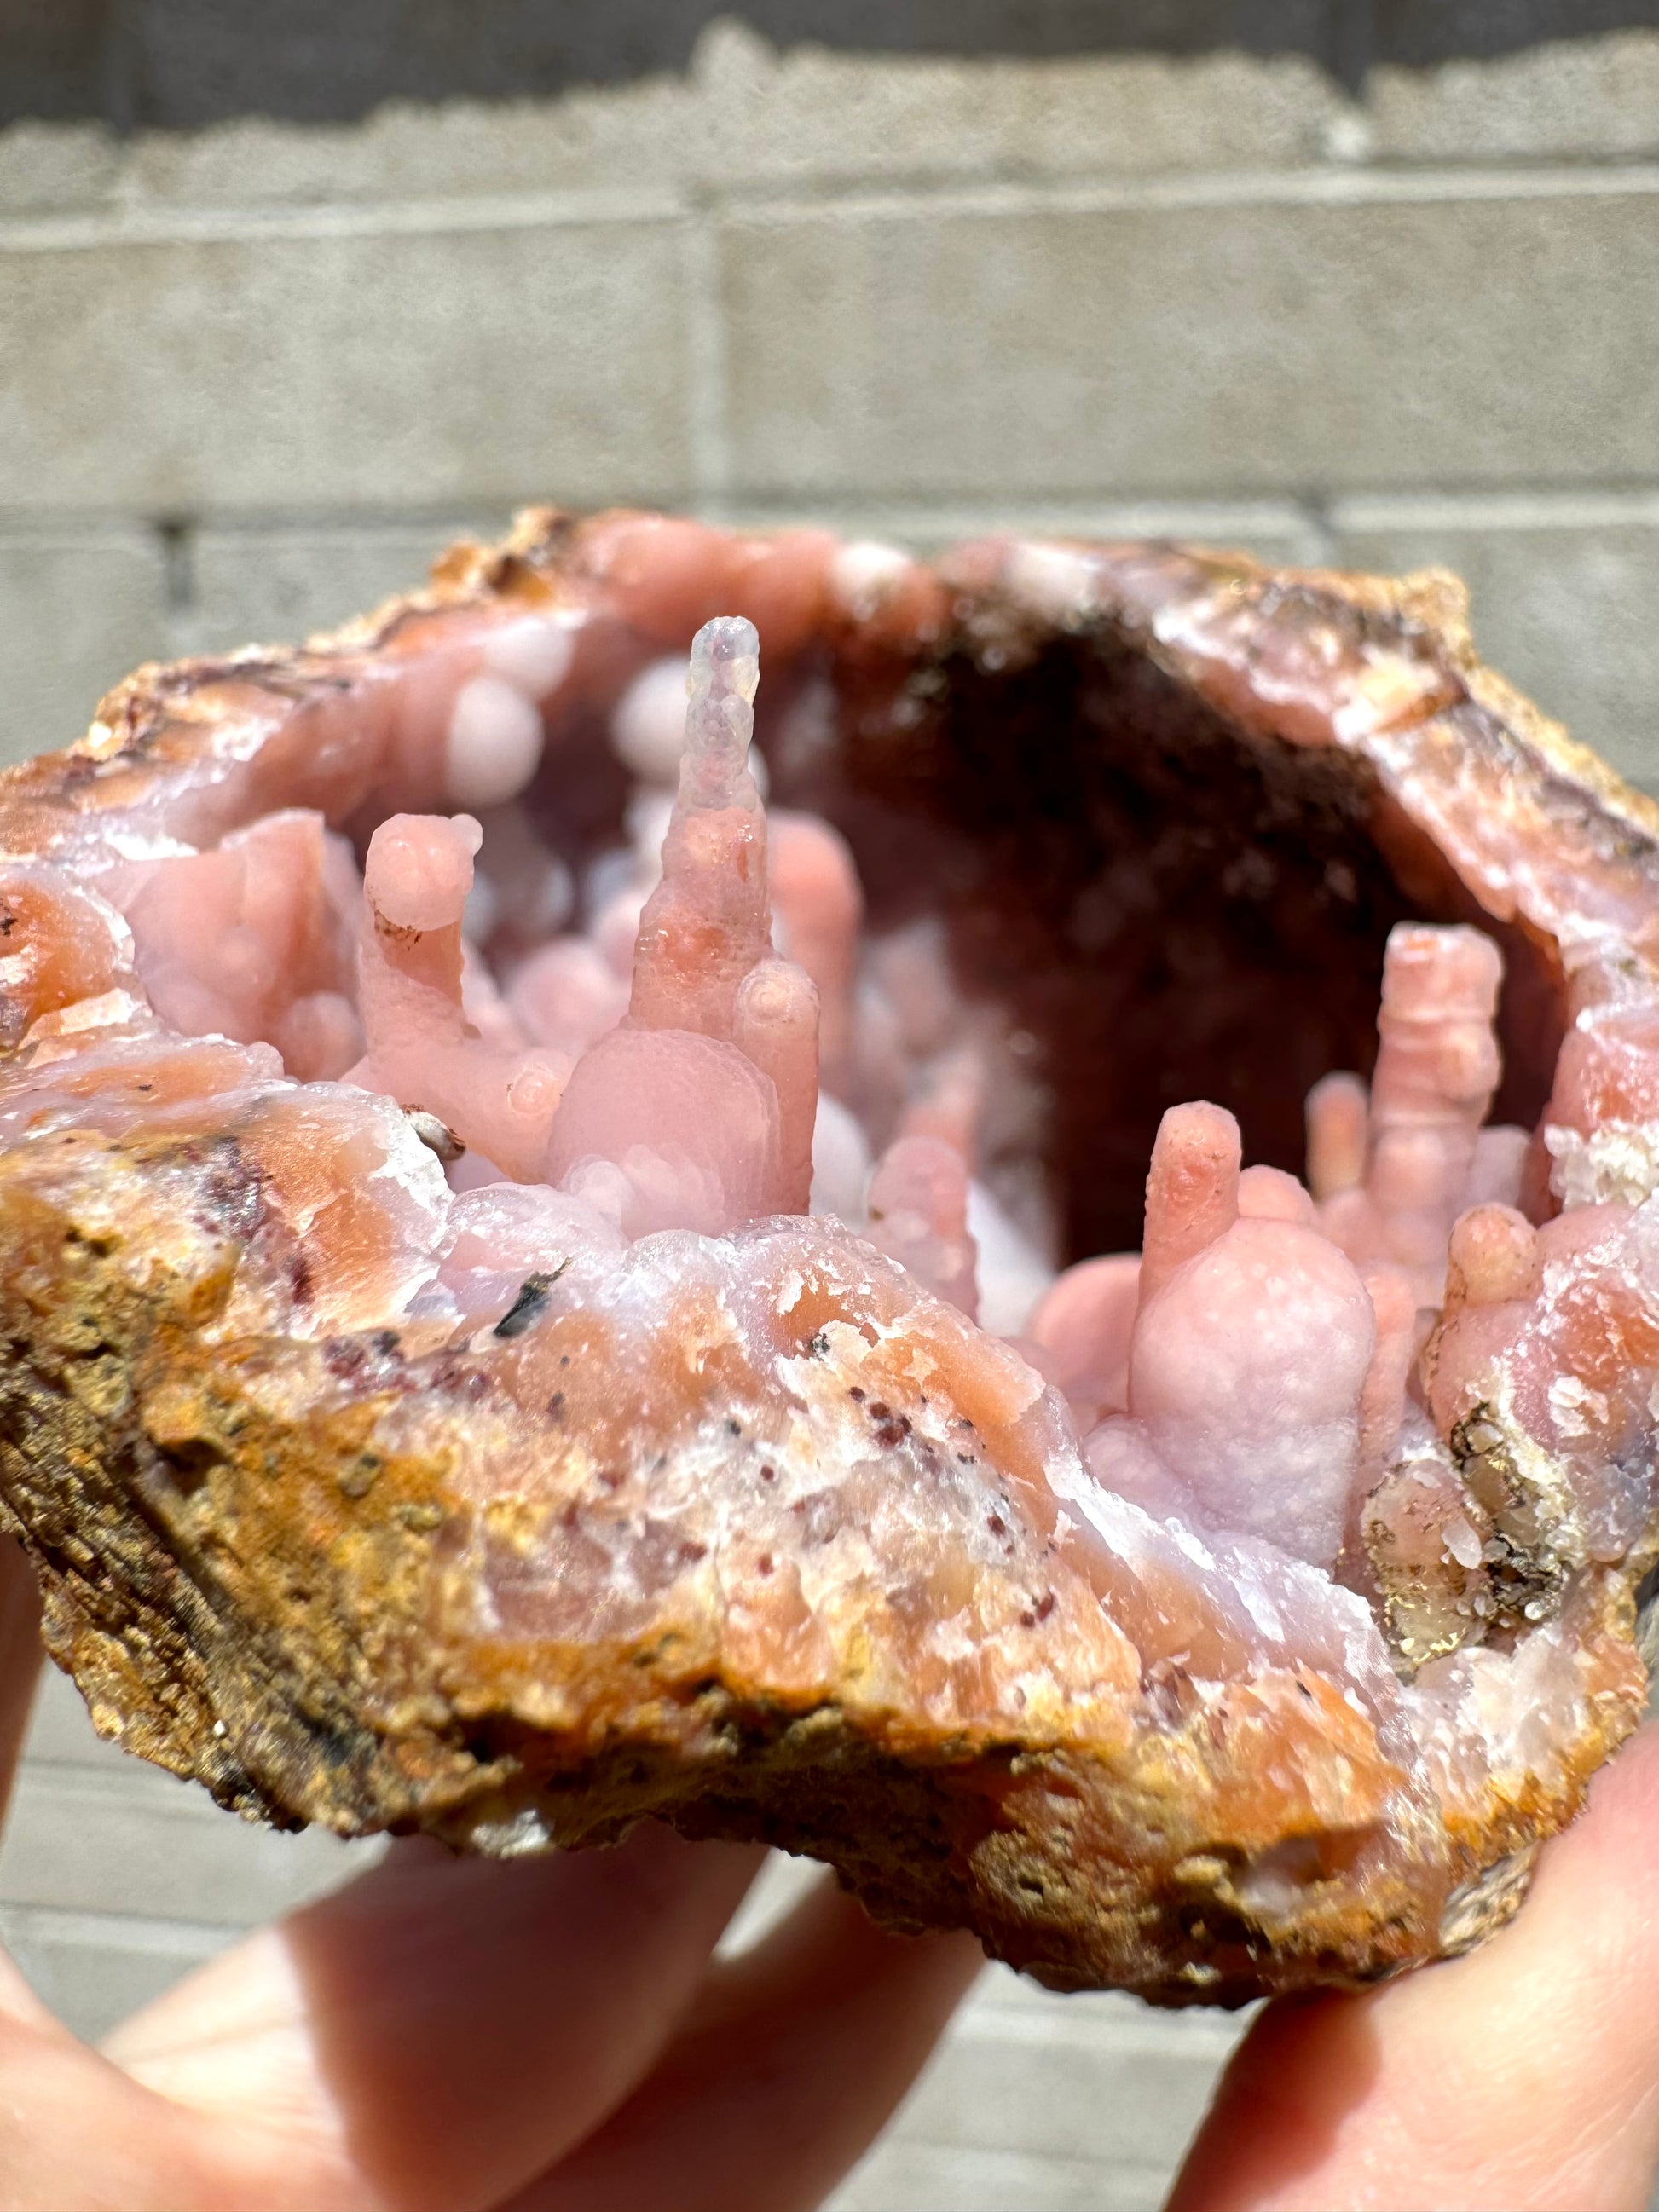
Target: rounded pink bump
[
  {"x": 494, "y": 743},
  {"x": 1270, "y": 1194},
  {"x": 1493, "y": 1257},
  {"x": 865, "y": 574},
  {"x": 1085, "y": 1322},
  {"x": 648, "y": 724},
  {"x": 666, "y": 574},
  {"x": 419, "y": 869},
  {"x": 1247, "y": 1366},
  {"x": 781, "y": 584}
]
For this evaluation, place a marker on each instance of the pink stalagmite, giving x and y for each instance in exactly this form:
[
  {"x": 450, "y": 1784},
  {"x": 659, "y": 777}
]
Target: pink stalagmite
[
  {"x": 919, "y": 1217},
  {"x": 775, "y": 1024},
  {"x": 1250, "y": 1347},
  {"x": 815, "y": 894},
  {"x": 1493, "y": 1257},
  {"x": 255, "y": 937},
  {"x": 700, "y": 1101},
  {"x": 1192, "y": 1190},
  {"x": 1386, "y": 1391},
  {"x": 709, "y": 921},
  {"x": 423, "y": 1050},
  {"x": 1338, "y": 1119},
  {"x": 1436, "y": 1071}
]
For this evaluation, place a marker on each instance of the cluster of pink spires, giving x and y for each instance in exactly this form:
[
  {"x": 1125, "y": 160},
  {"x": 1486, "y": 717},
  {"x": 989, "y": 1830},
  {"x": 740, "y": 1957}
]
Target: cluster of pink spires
[
  {"x": 696, "y": 1110},
  {"x": 1249, "y": 1366}
]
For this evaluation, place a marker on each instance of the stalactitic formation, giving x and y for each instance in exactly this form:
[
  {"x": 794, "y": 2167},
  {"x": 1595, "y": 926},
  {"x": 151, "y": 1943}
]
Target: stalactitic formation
[{"x": 992, "y": 1221}]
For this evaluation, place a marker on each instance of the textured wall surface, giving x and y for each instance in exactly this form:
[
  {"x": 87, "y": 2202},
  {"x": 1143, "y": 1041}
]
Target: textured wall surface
[
  {"x": 1377, "y": 284},
  {"x": 289, "y": 296}
]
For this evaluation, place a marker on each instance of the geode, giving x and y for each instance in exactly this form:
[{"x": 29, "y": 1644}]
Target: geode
[{"x": 558, "y": 1269}]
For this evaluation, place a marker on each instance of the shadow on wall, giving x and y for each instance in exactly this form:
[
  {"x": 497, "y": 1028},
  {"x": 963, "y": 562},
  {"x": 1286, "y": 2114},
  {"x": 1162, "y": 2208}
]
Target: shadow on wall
[{"x": 182, "y": 64}]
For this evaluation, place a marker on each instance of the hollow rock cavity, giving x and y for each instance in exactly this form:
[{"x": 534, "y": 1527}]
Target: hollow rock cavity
[{"x": 992, "y": 1221}]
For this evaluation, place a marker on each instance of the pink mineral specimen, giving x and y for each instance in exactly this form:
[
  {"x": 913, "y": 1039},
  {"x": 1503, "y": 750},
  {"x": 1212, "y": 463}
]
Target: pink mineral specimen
[{"x": 1010, "y": 1247}]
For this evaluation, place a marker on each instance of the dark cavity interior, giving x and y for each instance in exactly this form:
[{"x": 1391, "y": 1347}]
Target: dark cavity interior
[{"x": 1171, "y": 907}]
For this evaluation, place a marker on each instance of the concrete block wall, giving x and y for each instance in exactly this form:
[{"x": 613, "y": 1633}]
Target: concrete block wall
[
  {"x": 252, "y": 373},
  {"x": 1382, "y": 300}
]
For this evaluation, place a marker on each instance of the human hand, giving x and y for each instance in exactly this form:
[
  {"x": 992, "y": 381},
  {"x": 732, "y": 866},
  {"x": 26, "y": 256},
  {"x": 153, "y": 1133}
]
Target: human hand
[
  {"x": 444, "y": 2035},
  {"x": 1526, "y": 2075},
  {"x": 553, "y": 2036}
]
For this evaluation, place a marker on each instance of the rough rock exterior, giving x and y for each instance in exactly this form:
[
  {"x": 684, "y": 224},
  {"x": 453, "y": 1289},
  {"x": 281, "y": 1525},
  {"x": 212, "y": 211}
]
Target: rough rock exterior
[{"x": 752, "y": 1533}]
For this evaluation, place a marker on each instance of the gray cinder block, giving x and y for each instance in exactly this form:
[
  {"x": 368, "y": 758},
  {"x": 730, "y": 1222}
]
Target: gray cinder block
[
  {"x": 324, "y": 363},
  {"x": 128, "y": 1838},
  {"x": 1590, "y": 98},
  {"x": 277, "y": 584},
  {"x": 78, "y": 608},
  {"x": 1412, "y": 335}
]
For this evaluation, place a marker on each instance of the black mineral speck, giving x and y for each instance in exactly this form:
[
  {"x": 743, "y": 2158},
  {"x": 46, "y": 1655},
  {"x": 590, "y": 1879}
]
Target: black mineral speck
[{"x": 527, "y": 1307}]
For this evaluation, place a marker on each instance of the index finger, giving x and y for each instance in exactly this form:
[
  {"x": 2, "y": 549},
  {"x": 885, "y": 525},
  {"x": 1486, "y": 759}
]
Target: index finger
[{"x": 440, "y": 2030}]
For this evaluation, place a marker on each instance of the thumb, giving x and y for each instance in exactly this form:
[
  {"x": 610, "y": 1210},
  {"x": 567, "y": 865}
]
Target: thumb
[{"x": 1524, "y": 2075}]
